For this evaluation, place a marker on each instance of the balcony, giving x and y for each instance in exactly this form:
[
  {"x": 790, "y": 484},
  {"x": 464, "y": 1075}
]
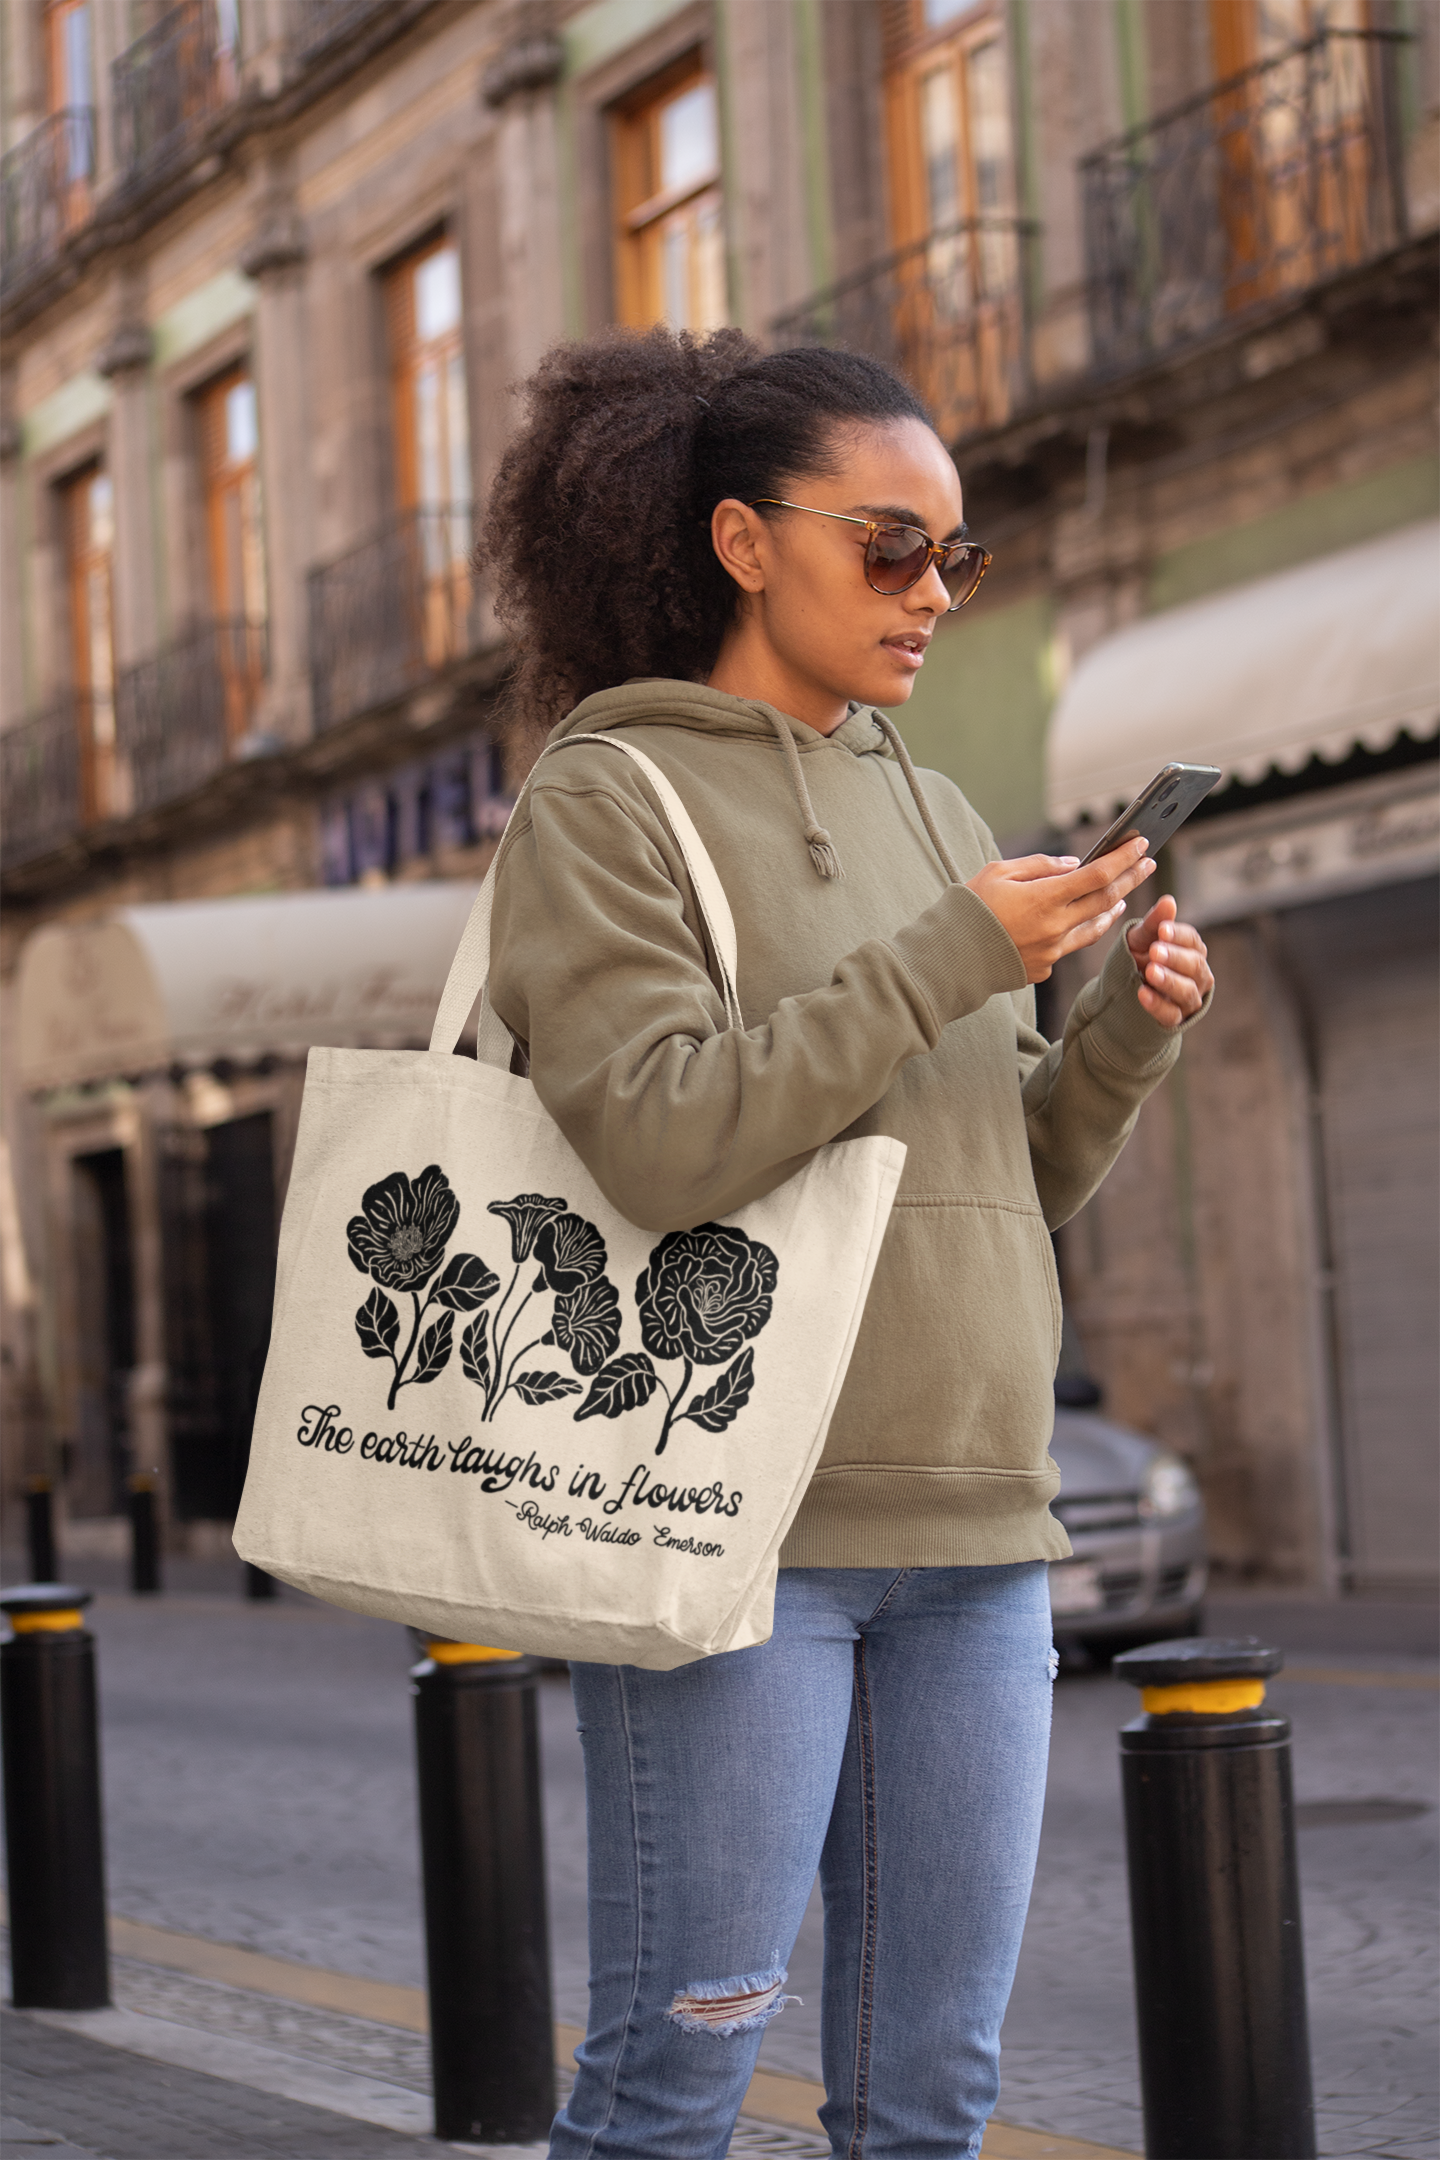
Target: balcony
[
  {"x": 393, "y": 613},
  {"x": 40, "y": 781},
  {"x": 1273, "y": 180},
  {"x": 184, "y": 713},
  {"x": 948, "y": 311},
  {"x": 170, "y": 82},
  {"x": 316, "y": 23},
  {"x": 46, "y": 190}
]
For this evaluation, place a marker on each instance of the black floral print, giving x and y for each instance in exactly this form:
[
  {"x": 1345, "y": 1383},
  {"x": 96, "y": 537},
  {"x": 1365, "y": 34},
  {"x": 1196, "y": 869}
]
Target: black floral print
[
  {"x": 399, "y": 1238},
  {"x": 403, "y": 1228},
  {"x": 705, "y": 1292},
  {"x": 702, "y": 1297},
  {"x": 526, "y": 1214}
]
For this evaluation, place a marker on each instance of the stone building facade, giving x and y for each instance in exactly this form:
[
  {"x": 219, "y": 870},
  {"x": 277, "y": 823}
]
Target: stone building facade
[{"x": 1165, "y": 274}]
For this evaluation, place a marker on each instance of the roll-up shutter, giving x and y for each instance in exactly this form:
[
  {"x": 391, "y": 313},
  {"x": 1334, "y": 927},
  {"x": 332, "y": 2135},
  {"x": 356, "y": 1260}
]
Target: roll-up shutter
[{"x": 1368, "y": 968}]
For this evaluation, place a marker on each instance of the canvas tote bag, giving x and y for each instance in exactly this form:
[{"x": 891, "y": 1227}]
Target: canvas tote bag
[{"x": 498, "y": 1411}]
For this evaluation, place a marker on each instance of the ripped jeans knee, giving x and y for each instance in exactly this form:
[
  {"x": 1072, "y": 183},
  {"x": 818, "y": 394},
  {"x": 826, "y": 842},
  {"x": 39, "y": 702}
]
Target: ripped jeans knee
[{"x": 724, "y": 2007}]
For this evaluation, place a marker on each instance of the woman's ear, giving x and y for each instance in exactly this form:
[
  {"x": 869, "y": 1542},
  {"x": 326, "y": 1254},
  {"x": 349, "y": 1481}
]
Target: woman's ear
[{"x": 738, "y": 535}]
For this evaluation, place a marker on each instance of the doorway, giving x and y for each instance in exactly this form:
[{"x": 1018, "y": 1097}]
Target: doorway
[{"x": 217, "y": 1195}]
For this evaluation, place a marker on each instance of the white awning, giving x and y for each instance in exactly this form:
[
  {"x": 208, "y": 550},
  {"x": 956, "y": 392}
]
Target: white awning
[
  {"x": 198, "y": 980},
  {"x": 1312, "y": 662}
]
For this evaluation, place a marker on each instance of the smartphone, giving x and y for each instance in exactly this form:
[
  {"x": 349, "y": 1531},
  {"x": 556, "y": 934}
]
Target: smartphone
[{"x": 1160, "y": 809}]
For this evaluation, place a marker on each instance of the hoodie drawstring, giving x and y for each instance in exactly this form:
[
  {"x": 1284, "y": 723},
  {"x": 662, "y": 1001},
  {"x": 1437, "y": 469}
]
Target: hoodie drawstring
[
  {"x": 892, "y": 736},
  {"x": 822, "y": 847}
]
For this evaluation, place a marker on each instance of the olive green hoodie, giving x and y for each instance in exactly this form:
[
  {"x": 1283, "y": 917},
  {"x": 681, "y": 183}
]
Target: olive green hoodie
[{"x": 885, "y": 999}]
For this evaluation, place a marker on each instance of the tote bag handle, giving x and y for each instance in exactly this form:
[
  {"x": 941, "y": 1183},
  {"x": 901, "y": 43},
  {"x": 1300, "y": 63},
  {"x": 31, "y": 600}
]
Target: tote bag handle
[{"x": 469, "y": 975}]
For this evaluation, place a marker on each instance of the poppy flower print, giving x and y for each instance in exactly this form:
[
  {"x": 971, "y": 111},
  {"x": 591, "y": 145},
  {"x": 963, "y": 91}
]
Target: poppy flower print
[
  {"x": 403, "y": 1227},
  {"x": 703, "y": 1297}
]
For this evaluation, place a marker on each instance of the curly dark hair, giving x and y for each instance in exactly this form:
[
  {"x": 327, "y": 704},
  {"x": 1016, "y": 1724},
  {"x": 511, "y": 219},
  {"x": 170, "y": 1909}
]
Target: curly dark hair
[{"x": 597, "y": 531}]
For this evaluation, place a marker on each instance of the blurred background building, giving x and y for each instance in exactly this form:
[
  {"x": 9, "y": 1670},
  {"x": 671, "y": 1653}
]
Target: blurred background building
[{"x": 1165, "y": 271}]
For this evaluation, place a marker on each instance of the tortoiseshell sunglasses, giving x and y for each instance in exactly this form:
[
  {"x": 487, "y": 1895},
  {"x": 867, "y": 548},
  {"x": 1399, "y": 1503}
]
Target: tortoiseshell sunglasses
[{"x": 898, "y": 556}]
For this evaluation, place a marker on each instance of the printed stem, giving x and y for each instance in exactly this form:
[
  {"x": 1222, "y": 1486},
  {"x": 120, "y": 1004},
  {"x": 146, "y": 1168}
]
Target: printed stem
[
  {"x": 502, "y": 1343},
  {"x": 490, "y": 1408},
  {"x": 400, "y": 1363},
  {"x": 670, "y": 1418}
]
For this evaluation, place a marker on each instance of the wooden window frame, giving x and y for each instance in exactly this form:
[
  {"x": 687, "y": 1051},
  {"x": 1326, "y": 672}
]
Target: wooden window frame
[
  {"x": 635, "y": 214},
  {"x": 94, "y": 705}
]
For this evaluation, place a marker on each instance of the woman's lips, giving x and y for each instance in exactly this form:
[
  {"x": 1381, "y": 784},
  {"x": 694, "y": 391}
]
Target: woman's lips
[{"x": 909, "y": 651}]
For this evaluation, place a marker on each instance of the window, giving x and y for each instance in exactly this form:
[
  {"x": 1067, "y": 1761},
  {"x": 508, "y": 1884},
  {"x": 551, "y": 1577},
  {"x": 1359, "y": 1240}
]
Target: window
[
  {"x": 670, "y": 242},
  {"x": 1297, "y": 152},
  {"x": 424, "y": 318},
  {"x": 952, "y": 154},
  {"x": 70, "y": 98},
  {"x": 88, "y": 521},
  {"x": 959, "y": 318},
  {"x": 234, "y": 537}
]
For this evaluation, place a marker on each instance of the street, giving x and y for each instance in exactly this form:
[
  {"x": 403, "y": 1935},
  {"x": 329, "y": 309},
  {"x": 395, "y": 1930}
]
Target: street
[{"x": 260, "y": 1792}]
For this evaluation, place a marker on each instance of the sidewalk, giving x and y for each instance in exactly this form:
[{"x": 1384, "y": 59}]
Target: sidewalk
[
  {"x": 260, "y": 1816},
  {"x": 185, "y": 2068}
]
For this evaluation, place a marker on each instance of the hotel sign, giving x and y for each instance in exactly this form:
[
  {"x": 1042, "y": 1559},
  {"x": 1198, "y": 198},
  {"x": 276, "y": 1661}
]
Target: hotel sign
[{"x": 1377, "y": 832}]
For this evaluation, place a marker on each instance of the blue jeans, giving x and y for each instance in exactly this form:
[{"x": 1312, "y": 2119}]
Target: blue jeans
[{"x": 892, "y": 1732}]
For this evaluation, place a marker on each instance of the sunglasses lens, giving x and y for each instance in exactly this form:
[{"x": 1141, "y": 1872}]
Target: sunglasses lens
[
  {"x": 963, "y": 572},
  {"x": 896, "y": 558}
]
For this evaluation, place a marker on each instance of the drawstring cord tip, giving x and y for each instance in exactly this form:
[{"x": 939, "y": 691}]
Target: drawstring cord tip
[{"x": 822, "y": 853}]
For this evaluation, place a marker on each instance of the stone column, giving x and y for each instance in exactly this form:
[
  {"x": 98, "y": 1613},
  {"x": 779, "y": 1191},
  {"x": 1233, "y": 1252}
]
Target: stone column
[
  {"x": 276, "y": 261},
  {"x": 124, "y": 360},
  {"x": 520, "y": 88},
  {"x": 12, "y": 580}
]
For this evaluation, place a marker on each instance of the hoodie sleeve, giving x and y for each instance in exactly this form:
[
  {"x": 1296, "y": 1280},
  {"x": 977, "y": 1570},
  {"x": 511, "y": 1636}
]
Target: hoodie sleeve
[
  {"x": 599, "y": 970},
  {"x": 1083, "y": 1094}
]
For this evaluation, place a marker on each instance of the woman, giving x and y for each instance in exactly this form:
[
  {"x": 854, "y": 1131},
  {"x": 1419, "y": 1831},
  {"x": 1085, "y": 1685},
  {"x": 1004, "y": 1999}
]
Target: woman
[{"x": 735, "y": 558}]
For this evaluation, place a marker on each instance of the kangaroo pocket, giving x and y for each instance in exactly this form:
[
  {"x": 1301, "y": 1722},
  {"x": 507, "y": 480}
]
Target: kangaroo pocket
[{"x": 953, "y": 1364}]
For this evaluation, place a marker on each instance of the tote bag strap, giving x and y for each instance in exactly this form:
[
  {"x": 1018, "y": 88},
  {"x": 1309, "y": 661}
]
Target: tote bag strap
[{"x": 470, "y": 969}]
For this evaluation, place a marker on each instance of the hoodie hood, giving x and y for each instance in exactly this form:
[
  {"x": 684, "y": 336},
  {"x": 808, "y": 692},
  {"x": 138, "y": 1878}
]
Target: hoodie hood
[{"x": 656, "y": 701}]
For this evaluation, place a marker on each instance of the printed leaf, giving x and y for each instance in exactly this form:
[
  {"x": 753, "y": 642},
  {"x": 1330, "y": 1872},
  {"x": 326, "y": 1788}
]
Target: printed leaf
[
  {"x": 378, "y": 1325},
  {"x": 721, "y": 1404},
  {"x": 628, "y": 1384},
  {"x": 474, "y": 1356},
  {"x": 434, "y": 1350},
  {"x": 466, "y": 1283},
  {"x": 543, "y": 1387}
]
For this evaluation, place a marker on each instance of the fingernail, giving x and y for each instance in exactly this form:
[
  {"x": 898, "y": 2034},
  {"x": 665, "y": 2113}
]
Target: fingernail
[{"x": 1071, "y": 862}]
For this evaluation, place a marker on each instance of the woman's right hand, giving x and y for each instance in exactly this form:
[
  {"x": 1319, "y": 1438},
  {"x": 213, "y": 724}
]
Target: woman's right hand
[{"x": 1050, "y": 906}]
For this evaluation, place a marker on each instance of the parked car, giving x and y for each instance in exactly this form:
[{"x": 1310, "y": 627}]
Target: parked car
[{"x": 1137, "y": 1522}]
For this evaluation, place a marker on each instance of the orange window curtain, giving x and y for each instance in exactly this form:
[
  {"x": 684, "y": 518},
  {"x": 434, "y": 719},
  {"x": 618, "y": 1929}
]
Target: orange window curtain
[
  {"x": 670, "y": 231},
  {"x": 87, "y": 510},
  {"x": 235, "y": 538},
  {"x": 424, "y": 323}
]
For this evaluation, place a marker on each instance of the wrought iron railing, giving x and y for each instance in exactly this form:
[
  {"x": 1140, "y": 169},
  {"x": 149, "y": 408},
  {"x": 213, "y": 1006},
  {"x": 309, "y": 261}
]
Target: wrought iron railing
[
  {"x": 46, "y": 185},
  {"x": 41, "y": 785},
  {"x": 392, "y": 613},
  {"x": 1265, "y": 184},
  {"x": 316, "y": 22},
  {"x": 183, "y": 713},
  {"x": 171, "y": 81},
  {"x": 948, "y": 311}
]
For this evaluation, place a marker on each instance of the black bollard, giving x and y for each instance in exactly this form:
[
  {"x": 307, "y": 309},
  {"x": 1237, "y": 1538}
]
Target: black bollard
[
  {"x": 54, "y": 1834},
  {"x": 1215, "y": 1907},
  {"x": 40, "y": 1529},
  {"x": 258, "y": 1584},
  {"x": 144, "y": 1538},
  {"x": 482, "y": 1855}
]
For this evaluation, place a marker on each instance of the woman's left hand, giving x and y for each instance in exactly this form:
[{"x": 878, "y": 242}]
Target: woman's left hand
[{"x": 1171, "y": 957}]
